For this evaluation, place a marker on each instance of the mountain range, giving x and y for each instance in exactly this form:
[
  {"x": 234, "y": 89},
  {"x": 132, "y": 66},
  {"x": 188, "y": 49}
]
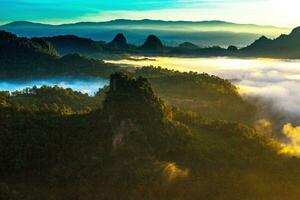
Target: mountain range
[
  {"x": 172, "y": 33},
  {"x": 284, "y": 46}
]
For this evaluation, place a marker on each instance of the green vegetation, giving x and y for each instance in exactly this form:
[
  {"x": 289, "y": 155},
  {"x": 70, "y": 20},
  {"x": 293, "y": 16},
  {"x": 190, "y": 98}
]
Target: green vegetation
[
  {"x": 21, "y": 57},
  {"x": 70, "y": 44},
  {"x": 152, "y": 134},
  {"x": 50, "y": 100},
  {"x": 135, "y": 146},
  {"x": 209, "y": 96}
]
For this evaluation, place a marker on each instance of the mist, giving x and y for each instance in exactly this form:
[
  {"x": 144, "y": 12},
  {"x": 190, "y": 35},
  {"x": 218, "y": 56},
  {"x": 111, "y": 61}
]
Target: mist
[
  {"x": 276, "y": 81},
  {"x": 272, "y": 84}
]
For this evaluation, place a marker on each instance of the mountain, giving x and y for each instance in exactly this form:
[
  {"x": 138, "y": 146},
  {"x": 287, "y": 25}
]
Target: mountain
[
  {"x": 139, "y": 146},
  {"x": 285, "y": 46},
  {"x": 22, "y": 57},
  {"x": 18, "y": 55},
  {"x": 119, "y": 42},
  {"x": 172, "y": 33},
  {"x": 68, "y": 44},
  {"x": 188, "y": 45},
  {"x": 10, "y": 43},
  {"x": 152, "y": 44},
  {"x": 135, "y": 131}
]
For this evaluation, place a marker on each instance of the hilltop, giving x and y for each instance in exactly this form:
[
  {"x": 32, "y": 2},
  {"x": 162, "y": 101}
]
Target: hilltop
[
  {"x": 284, "y": 46},
  {"x": 25, "y": 58}
]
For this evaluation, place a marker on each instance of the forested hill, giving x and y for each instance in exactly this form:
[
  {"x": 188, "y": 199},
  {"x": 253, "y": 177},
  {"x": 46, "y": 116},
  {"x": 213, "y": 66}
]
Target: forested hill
[
  {"x": 73, "y": 44},
  {"x": 121, "y": 151},
  {"x": 285, "y": 46},
  {"x": 10, "y": 45},
  {"x": 24, "y": 58}
]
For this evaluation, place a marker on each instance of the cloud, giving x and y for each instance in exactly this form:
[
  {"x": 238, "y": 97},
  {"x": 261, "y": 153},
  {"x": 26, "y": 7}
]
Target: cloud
[
  {"x": 276, "y": 81},
  {"x": 259, "y": 12},
  {"x": 293, "y": 134}
]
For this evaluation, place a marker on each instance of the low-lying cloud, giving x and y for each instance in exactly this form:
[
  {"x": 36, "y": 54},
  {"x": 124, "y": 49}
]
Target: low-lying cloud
[
  {"x": 274, "y": 80},
  {"x": 293, "y": 134}
]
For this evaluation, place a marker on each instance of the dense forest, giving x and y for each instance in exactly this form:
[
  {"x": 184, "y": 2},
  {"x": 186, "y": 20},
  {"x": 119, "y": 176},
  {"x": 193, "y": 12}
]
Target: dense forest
[
  {"x": 126, "y": 142},
  {"x": 152, "y": 133},
  {"x": 22, "y": 57}
]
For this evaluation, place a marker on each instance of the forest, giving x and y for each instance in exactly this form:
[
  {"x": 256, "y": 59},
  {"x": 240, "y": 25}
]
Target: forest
[
  {"x": 133, "y": 140},
  {"x": 152, "y": 133}
]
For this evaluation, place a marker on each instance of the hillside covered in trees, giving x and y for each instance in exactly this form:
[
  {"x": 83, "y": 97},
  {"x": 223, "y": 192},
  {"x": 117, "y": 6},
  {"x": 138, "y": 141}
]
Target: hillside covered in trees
[
  {"x": 131, "y": 144},
  {"x": 152, "y": 133},
  {"x": 22, "y": 57}
]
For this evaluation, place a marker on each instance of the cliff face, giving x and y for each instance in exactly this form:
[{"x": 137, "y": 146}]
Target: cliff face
[{"x": 139, "y": 120}]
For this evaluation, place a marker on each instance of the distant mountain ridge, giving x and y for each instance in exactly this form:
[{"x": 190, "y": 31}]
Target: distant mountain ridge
[
  {"x": 202, "y": 33},
  {"x": 284, "y": 46},
  {"x": 67, "y": 44},
  {"x": 134, "y": 22}
]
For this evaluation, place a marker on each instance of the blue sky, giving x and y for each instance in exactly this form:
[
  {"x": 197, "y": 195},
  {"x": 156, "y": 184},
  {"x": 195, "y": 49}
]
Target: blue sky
[{"x": 274, "y": 12}]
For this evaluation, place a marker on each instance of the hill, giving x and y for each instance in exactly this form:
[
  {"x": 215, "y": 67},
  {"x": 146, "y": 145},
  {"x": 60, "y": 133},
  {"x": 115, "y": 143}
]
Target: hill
[
  {"x": 172, "y": 33},
  {"x": 25, "y": 58},
  {"x": 70, "y": 44},
  {"x": 152, "y": 45},
  {"x": 124, "y": 152},
  {"x": 119, "y": 42},
  {"x": 285, "y": 46}
]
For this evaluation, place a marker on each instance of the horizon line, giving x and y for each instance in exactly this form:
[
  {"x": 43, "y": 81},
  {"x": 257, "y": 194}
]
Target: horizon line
[{"x": 127, "y": 19}]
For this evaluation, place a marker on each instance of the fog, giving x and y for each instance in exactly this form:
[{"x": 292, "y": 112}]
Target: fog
[
  {"x": 275, "y": 80},
  {"x": 81, "y": 84}
]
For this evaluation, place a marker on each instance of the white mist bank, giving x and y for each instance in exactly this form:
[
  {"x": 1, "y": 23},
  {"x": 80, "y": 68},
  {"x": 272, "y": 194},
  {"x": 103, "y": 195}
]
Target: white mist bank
[{"x": 276, "y": 80}]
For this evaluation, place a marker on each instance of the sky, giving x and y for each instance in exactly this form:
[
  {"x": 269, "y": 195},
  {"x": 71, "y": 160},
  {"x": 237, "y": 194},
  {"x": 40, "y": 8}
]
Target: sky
[{"x": 283, "y": 13}]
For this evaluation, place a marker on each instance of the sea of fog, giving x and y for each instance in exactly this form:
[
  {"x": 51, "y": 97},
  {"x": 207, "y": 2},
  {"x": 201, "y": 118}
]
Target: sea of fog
[
  {"x": 275, "y": 80},
  {"x": 88, "y": 85}
]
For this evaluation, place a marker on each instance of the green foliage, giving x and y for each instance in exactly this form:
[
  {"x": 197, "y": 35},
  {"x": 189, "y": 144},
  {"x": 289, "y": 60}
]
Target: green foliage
[
  {"x": 54, "y": 100},
  {"x": 21, "y": 57},
  {"x": 136, "y": 146},
  {"x": 208, "y": 95},
  {"x": 70, "y": 44},
  {"x": 139, "y": 119}
]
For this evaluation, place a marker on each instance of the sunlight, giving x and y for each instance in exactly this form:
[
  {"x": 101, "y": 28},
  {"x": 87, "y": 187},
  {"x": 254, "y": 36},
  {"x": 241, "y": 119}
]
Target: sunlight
[
  {"x": 171, "y": 171},
  {"x": 293, "y": 134}
]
